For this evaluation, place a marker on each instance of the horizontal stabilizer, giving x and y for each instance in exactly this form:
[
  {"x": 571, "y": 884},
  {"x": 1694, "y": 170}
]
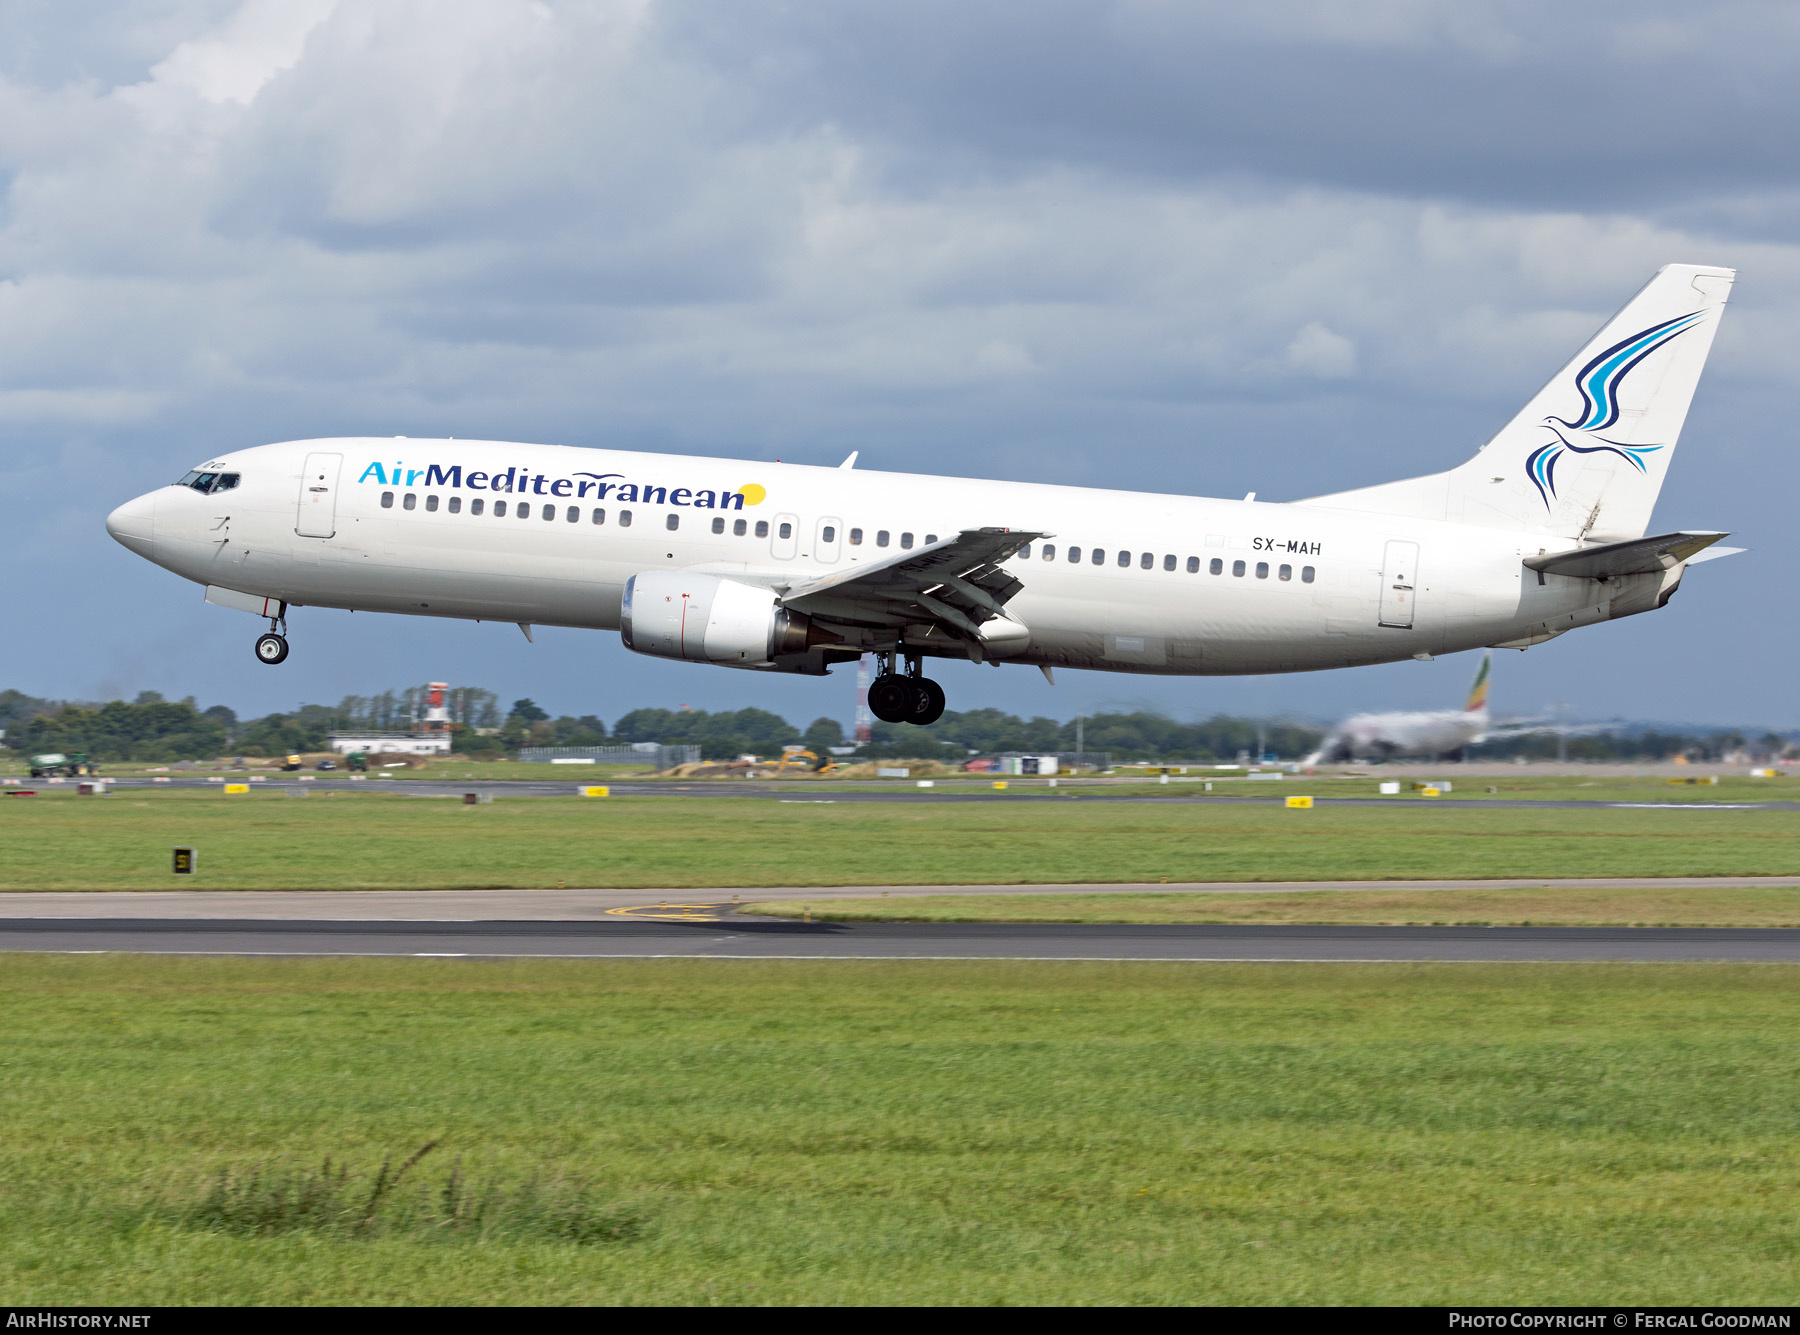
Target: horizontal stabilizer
[
  {"x": 1714, "y": 553},
  {"x": 1639, "y": 556}
]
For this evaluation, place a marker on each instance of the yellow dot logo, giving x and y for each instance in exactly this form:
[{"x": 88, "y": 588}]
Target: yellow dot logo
[{"x": 753, "y": 494}]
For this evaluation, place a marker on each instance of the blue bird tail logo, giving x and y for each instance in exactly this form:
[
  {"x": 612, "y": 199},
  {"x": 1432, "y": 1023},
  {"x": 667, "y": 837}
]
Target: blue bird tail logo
[{"x": 1598, "y": 383}]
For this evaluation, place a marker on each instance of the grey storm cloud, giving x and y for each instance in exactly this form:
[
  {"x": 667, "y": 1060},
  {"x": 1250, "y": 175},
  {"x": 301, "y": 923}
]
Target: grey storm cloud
[
  {"x": 1546, "y": 104},
  {"x": 1201, "y": 247}
]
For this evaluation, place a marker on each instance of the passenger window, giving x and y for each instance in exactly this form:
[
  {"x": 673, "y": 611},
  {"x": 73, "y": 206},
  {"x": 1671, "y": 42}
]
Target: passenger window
[
  {"x": 599, "y": 516},
  {"x": 499, "y": 509},
  {"x": 523, "y": 509},
  {"x": 672, "y": 523},
  {"x": 930, "y": 538},
  {"x": 762, "y": 528},
  {"x": 1049, "y": 552},
  {"x": 1099, "y": 556},
  {"x": 1216, "y": 566},
  {"x": 906, "y": 541},
  {"x": 1024, "y": 553},
  {"x": 549, "y": 512},
  {"x": 719, "y": 525},
  {"x": 737, "y": 528},
  {"x": 1168, "y": 563},
  {"x": 856, "y": 537},
  {"x": 574, "y": 514},
  {"x": 387, "y": 500},
  {"x": 1286, "y": 572},
  {"x": 1306, "y": 574},
  {"x": 430, "y": 504},
  {"x": 1193, "y": 565},
  {"x": 1147, "y": 561},
  {"x": 1262, "y": 569},
  {"x": 881, "y": 537},
  {"x": 455, "y": 505},
  {"x": 477, "y": 505},
  {"x": 409, "y": 502},
  {"x": 785, "y": 531},
  {"x": 829, "y": 535},
  {"x": 1074, "y": 555},
  {"x": 1124, "y": 560},
  {"x": 624, "y": 519},
  {"x": 1237, "y": 568}
]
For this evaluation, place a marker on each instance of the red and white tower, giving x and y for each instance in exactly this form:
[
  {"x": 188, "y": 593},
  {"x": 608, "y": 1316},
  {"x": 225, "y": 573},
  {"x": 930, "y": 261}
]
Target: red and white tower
[{"x": 865, "y": 721}]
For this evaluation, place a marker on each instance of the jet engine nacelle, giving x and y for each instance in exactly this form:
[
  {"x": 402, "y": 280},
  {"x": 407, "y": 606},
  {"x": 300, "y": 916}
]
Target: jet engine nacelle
[{"x": 706, "y": 619}]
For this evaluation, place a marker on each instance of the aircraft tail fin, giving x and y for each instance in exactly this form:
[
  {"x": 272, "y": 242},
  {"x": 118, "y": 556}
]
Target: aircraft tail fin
[
  {"x": 1586, "y": 457},
  {"x": 1478, "y": 693}
]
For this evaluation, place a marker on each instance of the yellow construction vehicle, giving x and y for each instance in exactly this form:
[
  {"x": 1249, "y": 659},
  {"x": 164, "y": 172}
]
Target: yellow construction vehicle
[{"x": 798, "y": 757}]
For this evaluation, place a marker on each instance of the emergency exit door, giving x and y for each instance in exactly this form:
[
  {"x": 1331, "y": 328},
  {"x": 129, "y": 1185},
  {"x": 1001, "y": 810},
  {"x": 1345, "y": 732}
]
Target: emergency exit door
[
  {"x": 1399, "y": 584},
  {"x": 318, "y": 496}
]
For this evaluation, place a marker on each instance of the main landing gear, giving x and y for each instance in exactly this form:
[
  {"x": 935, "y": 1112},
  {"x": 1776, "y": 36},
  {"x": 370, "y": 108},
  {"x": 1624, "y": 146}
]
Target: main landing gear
[
  {"x": 905, "y": 697},
  {"x": 272, "y": 647}
]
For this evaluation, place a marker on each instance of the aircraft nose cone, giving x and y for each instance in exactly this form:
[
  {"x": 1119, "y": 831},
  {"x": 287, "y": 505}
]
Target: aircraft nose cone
[{"x": 133, "y": 524}]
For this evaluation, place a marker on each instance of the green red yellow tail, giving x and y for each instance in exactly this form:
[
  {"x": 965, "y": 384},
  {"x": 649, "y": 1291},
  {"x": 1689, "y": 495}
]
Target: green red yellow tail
[{"x": 1479, "y": 691}]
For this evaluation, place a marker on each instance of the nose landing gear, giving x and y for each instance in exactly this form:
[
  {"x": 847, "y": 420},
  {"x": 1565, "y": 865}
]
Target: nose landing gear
[
  {"x": 907, "y": 697},
  {"x": 272, "y": 647}
]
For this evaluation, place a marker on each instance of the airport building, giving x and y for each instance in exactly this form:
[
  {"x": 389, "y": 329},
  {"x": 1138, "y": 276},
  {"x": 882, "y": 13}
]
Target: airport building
[
  {"x": 429, "y": 735},
  {"x": 404, "y": 743}
]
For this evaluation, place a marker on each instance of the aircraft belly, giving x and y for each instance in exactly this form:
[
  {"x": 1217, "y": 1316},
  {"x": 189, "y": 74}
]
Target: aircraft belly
[{"x": 1205, "y": 632}]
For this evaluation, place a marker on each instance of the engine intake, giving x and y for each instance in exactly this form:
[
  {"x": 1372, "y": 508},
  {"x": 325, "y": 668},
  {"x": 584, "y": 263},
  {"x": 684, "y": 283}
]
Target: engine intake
[{"x": 706, "y": 619}]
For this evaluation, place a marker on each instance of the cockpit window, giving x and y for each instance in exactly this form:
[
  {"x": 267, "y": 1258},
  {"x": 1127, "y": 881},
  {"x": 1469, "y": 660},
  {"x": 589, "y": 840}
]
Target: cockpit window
[{"x": 205, "y": 483}]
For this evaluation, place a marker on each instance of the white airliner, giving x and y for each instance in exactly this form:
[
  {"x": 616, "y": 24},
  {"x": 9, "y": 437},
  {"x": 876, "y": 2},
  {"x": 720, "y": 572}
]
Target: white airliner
[
  {"x": 791, "y": 568},
  {"x": 1440, "y": 734}
]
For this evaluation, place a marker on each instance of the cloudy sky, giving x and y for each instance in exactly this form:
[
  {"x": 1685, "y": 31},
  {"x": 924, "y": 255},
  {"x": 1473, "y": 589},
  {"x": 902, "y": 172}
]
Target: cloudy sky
[{"x": 1210, "y": 248}]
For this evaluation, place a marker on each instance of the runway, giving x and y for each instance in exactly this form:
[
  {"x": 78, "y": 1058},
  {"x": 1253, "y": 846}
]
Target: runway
[
  {"x": 703, "y": 937},
  {"x": 804, "y": 792},
  {"x": 597, "y": 902}
]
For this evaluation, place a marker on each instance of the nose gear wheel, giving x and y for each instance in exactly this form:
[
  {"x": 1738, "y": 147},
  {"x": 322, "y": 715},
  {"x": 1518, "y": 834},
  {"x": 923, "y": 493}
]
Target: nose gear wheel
[{"x": 271, "y": 648}]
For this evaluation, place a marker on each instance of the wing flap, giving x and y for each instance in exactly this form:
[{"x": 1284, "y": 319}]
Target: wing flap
[{"x": 956, "y": 583}]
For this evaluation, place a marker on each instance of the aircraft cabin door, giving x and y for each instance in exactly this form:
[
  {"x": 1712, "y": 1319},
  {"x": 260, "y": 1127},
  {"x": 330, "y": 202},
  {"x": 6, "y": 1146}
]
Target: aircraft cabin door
[
  {"x": 318, "y": 496},
  {"x": 1399, "y": 580},
  {"x": 785, "y": 541}
]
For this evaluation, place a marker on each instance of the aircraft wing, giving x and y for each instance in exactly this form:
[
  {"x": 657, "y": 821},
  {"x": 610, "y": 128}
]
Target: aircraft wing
[
  {"x": 1639, "y": 556},
  {"x": 956, "y": 583}
]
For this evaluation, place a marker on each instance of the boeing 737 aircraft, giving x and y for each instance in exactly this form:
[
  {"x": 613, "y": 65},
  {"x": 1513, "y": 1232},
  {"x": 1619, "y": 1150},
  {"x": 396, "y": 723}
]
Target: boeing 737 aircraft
[{"x": 790, "y": 568}]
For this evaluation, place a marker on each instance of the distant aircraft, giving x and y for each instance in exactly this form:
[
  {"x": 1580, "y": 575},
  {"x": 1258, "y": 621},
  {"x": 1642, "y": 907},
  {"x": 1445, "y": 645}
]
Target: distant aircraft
[
  {"x": 789, "y": 568},
  {"x": 1436, "y": 735}
]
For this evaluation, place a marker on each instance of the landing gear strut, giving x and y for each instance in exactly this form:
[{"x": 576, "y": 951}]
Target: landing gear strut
[
  {"x": 907, "y": 697},
  {"x": 272, "y": 647}
]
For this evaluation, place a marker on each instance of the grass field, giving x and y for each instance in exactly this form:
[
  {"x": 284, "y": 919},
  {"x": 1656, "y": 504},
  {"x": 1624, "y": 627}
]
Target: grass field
[
  {"x": 858, "y": 1132},
  {"x": 1561, "y": 906},
  {"x": 376, "y": 841}
]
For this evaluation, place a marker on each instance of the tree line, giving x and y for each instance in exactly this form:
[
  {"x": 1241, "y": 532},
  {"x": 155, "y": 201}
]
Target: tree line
[{"x": 150, "y": 728}]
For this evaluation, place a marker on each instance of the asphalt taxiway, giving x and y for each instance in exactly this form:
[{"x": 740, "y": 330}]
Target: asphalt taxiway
[{"x": 699, "y": 935}]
